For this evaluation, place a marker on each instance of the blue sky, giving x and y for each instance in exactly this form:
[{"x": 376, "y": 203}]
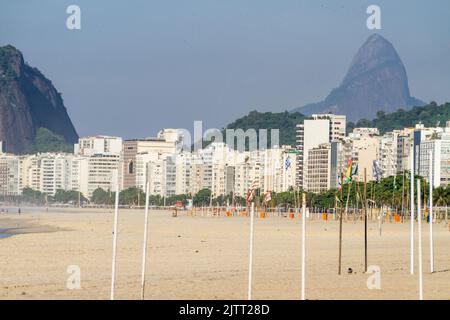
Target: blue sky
[{"x": 138, "y": 66}]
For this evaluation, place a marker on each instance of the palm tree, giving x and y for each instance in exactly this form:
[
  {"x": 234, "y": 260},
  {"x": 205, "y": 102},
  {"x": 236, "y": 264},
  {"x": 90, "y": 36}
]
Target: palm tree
[{"x": 441, "y": 196}]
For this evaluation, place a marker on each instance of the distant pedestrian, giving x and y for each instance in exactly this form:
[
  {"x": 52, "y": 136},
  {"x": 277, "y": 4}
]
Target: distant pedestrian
[{"x": 19, "y": 211}]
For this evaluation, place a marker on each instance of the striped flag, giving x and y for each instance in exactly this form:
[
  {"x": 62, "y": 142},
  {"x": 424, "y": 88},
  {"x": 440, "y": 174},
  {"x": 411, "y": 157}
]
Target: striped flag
[
  {"x": 348, "y": 174},
  {"x": 251, "y": 191},
  {"x": 267, "y": 197}
]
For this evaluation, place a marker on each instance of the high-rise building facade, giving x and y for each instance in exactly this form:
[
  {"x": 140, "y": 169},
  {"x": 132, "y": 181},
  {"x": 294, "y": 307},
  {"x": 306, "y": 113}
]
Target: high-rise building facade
[
  {"x": 9, "y": 175},
  {"x": 322, "y": 128}
]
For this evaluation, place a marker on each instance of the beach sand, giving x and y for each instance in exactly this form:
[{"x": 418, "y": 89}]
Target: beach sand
[{"x": 207, "y": 257}]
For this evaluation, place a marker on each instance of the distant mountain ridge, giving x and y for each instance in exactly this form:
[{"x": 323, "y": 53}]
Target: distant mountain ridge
[
  {"x": 376, "y": 81},
  {"x": 28, "y": 101}
]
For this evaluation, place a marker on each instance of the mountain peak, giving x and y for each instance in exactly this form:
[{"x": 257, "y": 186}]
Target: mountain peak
[
  {"x": 28, "y": 102},
  {"x": 11, "y": 62},
  {"x": 376, "y": 80},
  {"x": 376, "y": 37},
  {"x": 374, "y": 53}
]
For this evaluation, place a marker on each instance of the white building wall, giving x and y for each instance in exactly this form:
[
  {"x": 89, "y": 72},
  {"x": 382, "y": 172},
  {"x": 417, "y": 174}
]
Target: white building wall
[{"x": 9, "y": 175}]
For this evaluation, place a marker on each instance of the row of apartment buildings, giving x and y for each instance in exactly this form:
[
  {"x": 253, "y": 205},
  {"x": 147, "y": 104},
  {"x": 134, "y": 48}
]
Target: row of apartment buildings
[
  {"x": 325, "y": 149},
  {"x": 107, "y": 162},
  {"x": 321, "y": 154}
]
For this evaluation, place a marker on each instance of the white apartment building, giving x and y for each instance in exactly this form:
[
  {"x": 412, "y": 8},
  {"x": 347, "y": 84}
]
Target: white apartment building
[
  {"x": 31, "y": 172},
  {"x": 404, "y": 143},
  {"x": 183, "y": 169},
  {"x": 46, "y": 172},
  {"x": 55, "y": 173},
  {"x": 169, "y": 176},
  {"x": 338, "y": 125},
  {"x": 9, "y": 175},
  {"x": 279, "y": 167},
  {"x": 310, "y": 134},
  {"x": 159, "y": 170},
  {"x": 421, "y": 134},
  {"x": 79, "y": 175},
  {"x": 105, "y": 172},
  {"x": 325, "y": 164},
  {"x": 387, "y": 153},
  {"x": 440, "y": 149},
  {"x": 222, "y": 159},
  {"x": 364, "y": 153},
  {"x": 318, "y": 177},
  {"x": 242, "y": 179},
  {"x": 88, "y": 146},
  {"x": 97, "y": 164},
  {"x": 164, "y": 145},
  {"x": 49, "y": 172},
  {"x": 358, "y": 132}
]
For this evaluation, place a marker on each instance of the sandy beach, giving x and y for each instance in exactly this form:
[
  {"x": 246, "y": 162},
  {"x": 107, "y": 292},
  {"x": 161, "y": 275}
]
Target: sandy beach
[{"x": 195, "y": 257}]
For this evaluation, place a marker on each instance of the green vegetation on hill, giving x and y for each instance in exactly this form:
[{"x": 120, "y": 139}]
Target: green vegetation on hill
[
  {"x": 47, "y": 141},
  {"x": 430, "y": 115},
  {"x": 284, "y": 121}
]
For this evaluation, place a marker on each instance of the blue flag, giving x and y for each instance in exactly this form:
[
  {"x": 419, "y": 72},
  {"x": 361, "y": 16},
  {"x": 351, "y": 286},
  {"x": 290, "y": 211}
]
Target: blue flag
[{"x": 287, "y": 163}]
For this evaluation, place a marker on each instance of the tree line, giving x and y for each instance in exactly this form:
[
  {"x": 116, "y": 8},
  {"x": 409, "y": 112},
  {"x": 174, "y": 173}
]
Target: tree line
[{"x": 391, "y": 191}]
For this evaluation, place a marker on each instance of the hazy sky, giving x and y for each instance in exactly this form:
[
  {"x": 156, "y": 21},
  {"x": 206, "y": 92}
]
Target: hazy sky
[{"x": 138, "y": 66}]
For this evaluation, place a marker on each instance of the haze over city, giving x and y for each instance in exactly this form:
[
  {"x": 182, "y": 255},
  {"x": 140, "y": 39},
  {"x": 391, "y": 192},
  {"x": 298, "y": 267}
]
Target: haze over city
[{"x": 134, "y": 69}]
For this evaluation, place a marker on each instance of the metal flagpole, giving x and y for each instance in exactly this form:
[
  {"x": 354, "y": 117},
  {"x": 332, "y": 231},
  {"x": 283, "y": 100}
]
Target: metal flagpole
[
  {"x": 114, "y": 254},
  {"x": 250, "y": 263},
  {"x": 412, "y": 212},
  {"x": 303, "y": 244},
  {"x": 365, "y": 220},
  {"x": 144, "y": 250},
  {"x": 419, "y": 219},
  {"x": 340, "y": 224},
  {"x": 431, "y": 214}
]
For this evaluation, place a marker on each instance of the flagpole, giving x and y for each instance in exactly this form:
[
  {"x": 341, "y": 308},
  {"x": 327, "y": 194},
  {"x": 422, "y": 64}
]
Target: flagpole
[
  {"x": 285, "y": 174},
  {"x": 303, "y": 244},
  {"x": 114, "y": 254},
  {"x": 340, "y": 224},
  {"x": 403, "y": 196},
  {"x": 144, "y": 250},
  {"x": 431, "y": 214},
  {"x": 419, "y": 218},
  {"x": 250, "y": 263},
  {"x": 365, "y": 219},
  {"x": 412, "y": 212}
]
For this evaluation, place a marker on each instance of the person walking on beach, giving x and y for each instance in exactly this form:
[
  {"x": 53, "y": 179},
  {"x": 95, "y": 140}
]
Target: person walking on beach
[{"x": 19, "y": 211}]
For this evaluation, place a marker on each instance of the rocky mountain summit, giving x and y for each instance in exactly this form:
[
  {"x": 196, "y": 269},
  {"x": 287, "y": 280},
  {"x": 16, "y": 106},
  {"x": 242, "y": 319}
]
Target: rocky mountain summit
[
  {"x": 28, "y": 101},
  {"x": 376, "y": 81}
]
